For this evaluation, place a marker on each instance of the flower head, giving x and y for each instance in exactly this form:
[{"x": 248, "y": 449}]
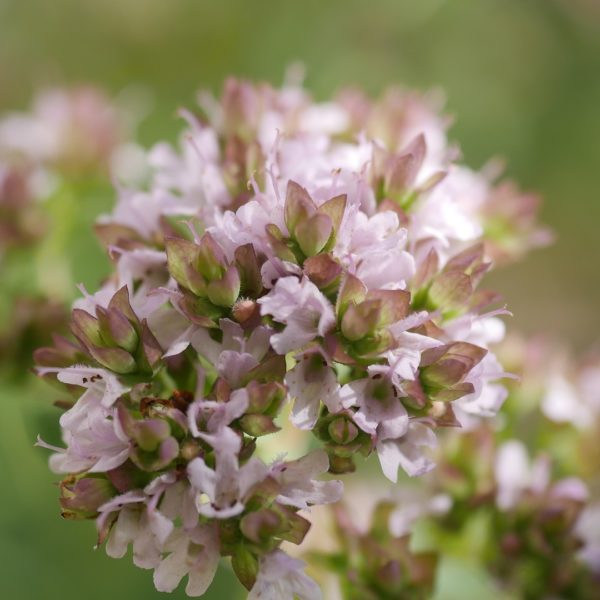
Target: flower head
[{"x": 327, "y": 255}]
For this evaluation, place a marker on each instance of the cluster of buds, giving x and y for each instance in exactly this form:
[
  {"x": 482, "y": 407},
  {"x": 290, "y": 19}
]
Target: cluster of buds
[
  {"x": 116, "y": 339},
  {"x": 536, "y": 525},
  {"x": 530, "y": 533},
  {"x": 556, "y": 396},
  {"x": 342, "y": 279},
  {"x": 533, "y": 541},
  {"x": 375, "y": 563},
  {"x": 538, "y": 520}
]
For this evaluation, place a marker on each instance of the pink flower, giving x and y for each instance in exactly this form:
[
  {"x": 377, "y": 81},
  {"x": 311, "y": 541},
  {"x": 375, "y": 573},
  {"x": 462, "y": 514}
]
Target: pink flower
[
  {"x": 516, "y": 475},
  {"x": 75, "y": 129},
  {"x": 380, "y": 412},
  {"x": 312, "y": 382},
  {"x": 94, "y": 440},
  {"x": 237, "y": 353},
  {"x": 303, "y": 309},
  {"x": 194, "y": 553},
  {"x": 139, "y": 524},
  {"x": 406, "y": 452},
  {"x": 223, "y": 491},
  {"x": 376, "y": 254},
  {"x": 299, "y": 487},
  {"x": 280, "y": 577}
]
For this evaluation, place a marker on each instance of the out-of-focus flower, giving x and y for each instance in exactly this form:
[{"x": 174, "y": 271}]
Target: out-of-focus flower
[
  {"x": 72, "y": 130},
  {"x": 30, "y": 325},
  {"x": 21, "y": 220},
  {"x": 531, "y": 531},
  {"x": 373, "y": 562}
]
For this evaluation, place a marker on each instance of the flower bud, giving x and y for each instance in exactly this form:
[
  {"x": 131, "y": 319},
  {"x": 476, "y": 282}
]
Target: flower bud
[
  {"x": 360, "y": 320},
  {"x": 245, "y": 566},
  {"x": 313, "y": 233},
  {"x": 450, "y": 290},
  {"x": 120, "y": 330},
  {"x": 115, "y": 359},
  {"x": 257, "y": 425},
  {"x": 278, "y": 245},
  {"x": 334, "y": 208},
  {"x": 342, "y": 430},
  {"x": 244, "y": 310},
  {"x": 324, "y": 271},
  {"x": 149, "y": 433},
  {"x": 265, "y": 397},
  {"x": 156, "y": 460},
  {"x": 249, "y": 270},
  {"x": 151, "y": 350},
  {"x": 190, "y": 449},
  {"x": 224, "y": 291},
  {"x": 340, "y": 465},
  {"x": 298, "y": 206},
  {"x": 182, "y": 260},
  {"x": 353, "y": 291},
  {"x": 63, "y": 353},
  {"x": 261, "y": 525},
  {"x": 86, "y": 328},
  {"x": 443, "y": 369},
  {"x": 80, "y": 497},
  {"x": 296, "y": 527},
  {"x": 211, "y": 260}
]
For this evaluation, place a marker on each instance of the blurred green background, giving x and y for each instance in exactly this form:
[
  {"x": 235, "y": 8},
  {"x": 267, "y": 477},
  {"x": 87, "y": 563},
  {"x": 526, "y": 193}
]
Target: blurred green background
[{"x": 521, "y": 77}]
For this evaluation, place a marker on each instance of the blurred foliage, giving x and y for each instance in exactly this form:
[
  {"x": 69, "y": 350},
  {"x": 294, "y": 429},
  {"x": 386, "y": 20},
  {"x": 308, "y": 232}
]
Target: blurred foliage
[{"x": 521, "y": 77}]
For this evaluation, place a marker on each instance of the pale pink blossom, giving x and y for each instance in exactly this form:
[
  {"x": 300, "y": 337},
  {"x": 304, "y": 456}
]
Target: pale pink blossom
[
  {"x": 312, "y": 382},
  {"x": 305, "y": 311},
  {"x": 281, "y": 577},
  {"x": 407, "y": 452},
  {"x": 194, "y": 553},
  {"x": 516, "y": 475},
  {"x": 298, "y": 480}
]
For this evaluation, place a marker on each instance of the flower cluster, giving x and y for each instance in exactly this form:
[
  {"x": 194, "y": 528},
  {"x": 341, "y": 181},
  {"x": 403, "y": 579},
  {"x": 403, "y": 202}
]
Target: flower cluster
[
  {"x": 68, "y": 130},
  {"x": 529, "y": 527},
  {"x": 68, "y": 134},
  {"x": 375, "y": 562},
  {"x": 526, "y": 528},
  {"x": 323, "y": 255},
  {"x": 533, "y": 534}
]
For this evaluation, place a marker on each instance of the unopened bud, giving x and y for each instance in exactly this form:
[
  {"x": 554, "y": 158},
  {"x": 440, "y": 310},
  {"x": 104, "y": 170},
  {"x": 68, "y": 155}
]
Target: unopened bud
[
  {"x": 339, "y": 465},
  {"x": 190, "y": 450},
  {"x": 245, "y": 566},
  {"x": 257, "y": 425},
  {"x": 261, "y": 525},
  {"x": 313, "y": 233},
  {"x": 222, "y": 390},
  {"x": 115, "y": 359},
  {"x": 342, "y": 430},
  {"x": 80, "y": 497},
  {"x": 224, "y": 291},
  {"x": 243, "y": 310}
]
